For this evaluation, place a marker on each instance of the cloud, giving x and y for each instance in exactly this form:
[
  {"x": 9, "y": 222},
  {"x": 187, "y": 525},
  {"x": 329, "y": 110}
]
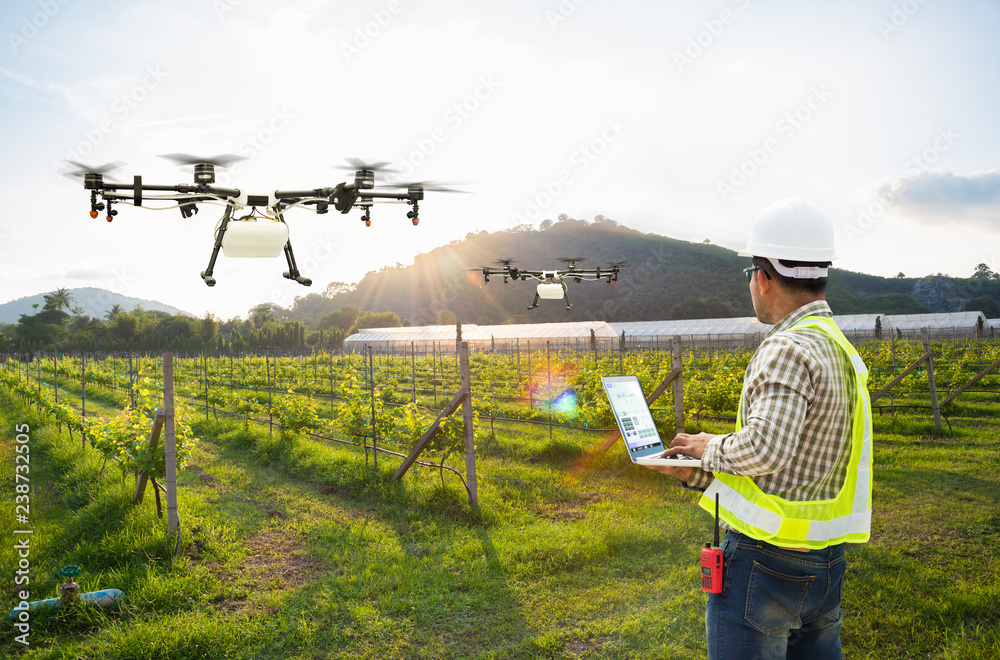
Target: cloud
[{"x": 936, "y": 195}]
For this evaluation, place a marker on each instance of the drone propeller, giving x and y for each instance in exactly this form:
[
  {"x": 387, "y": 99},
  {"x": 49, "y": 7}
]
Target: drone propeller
[
  {"x": 432, "y": 186},
  {"x": 84, "y": 170},
  {"x": 204, "y": 168},
  {"x": 222, "y": 160},
  {"x": 571, "y": 261},
  {"x": 358, "y": 164}
]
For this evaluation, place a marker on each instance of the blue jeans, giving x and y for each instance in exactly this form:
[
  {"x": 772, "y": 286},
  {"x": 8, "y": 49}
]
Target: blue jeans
[{"x": 775, "y": 603}]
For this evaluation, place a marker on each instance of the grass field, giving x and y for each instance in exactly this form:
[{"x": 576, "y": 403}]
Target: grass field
[{"x": 300, "y": 549}]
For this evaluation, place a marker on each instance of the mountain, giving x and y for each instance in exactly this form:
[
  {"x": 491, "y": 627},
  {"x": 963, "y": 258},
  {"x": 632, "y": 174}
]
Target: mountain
[
  {"x": 663, "y": 278},
  {"x": 94, "y": 302}
]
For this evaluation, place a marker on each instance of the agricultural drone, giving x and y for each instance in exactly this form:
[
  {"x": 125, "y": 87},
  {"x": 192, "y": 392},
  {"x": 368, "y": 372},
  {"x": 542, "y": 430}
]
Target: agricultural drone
[
  {"x": 256, "y": 234},
  {"x": 551, "y": 283}
]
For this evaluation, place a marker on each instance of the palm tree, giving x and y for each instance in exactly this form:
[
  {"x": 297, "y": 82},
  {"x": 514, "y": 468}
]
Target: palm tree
[
  {"x": 115, "y": 310},
  {"x": 58, "y": 299}
]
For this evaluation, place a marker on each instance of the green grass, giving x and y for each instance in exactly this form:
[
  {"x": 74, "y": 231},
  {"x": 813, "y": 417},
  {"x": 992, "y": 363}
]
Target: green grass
[{"x": 299, "y": 549}]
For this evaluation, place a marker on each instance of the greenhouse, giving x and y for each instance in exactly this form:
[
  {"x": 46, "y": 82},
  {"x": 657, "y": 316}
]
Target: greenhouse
[
  {"x": 598, "y": 335},
  {"x": 511, "y": 337}
]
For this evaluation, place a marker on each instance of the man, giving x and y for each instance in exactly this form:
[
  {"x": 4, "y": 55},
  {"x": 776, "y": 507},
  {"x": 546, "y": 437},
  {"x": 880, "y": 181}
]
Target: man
[{"x": 794, "y": 479}]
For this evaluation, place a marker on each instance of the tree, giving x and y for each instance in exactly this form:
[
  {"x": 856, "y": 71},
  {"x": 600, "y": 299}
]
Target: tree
[
  {"x": 334, "y": 288},
  {"x": 342, "y": 318},
  {"x": 984, "y": 272},
  {"x": 115, "y": 310},
  {"x": 375, "y": 320},
  {"x": 58, "y": 299},
  {"x": 207, "y": 327},
  {"x": 261, "y": 314},
  {"x": 985, "y": 304},
  {"x": 447, "y": 317},
  {"x": 544, "y": 224}
]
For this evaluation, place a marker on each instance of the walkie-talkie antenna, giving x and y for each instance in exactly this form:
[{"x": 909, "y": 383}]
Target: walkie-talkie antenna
[{"x": 716, "y": 539}]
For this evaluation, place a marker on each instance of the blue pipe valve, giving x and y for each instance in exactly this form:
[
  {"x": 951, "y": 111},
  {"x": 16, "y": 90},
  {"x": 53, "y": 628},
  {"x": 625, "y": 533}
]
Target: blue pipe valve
[{"x": 69, "y": 591}]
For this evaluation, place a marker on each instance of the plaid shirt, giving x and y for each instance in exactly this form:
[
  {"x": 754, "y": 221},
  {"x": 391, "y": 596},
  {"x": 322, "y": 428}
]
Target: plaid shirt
[{"x": 798, "y": 410}]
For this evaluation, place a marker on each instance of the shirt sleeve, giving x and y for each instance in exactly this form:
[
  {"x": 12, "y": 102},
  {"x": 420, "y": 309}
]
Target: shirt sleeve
[{"x": 778, "y": 390}]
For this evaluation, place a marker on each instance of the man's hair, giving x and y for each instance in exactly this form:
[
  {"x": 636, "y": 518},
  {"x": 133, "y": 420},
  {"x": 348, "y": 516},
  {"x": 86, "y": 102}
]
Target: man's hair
[{"x": 795, "y": 285}]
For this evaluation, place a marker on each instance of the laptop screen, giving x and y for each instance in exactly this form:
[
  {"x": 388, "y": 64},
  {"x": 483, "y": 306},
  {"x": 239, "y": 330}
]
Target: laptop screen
[{"x": 632, "y": 413}]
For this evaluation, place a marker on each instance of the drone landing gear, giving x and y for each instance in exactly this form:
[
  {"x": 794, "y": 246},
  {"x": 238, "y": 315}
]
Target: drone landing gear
[
  {"x": 293, "y": 270},
  {"x": 207, "y": 273}
]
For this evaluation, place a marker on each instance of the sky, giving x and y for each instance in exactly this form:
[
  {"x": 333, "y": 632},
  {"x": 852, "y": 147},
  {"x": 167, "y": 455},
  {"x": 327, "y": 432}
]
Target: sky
[{"x": 682, "y": 119}]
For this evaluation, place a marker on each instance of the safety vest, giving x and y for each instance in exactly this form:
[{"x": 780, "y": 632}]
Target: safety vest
[{"x": 806, "y": 524}]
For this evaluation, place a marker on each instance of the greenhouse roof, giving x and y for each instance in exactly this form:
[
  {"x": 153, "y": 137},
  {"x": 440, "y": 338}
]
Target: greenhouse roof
[
  {"x": 473, "y": 332},
  {"x": 571, "y": 330},
  {"x": 934, "y": 320},
  {"x": 747, "y": 325},
  {"x": 417, "y": 333},
  {"x": 732, "y": 326}
]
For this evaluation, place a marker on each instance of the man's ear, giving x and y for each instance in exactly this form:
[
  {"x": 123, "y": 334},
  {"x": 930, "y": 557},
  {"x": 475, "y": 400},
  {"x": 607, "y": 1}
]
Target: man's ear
[{"x": 764, "y": 283}]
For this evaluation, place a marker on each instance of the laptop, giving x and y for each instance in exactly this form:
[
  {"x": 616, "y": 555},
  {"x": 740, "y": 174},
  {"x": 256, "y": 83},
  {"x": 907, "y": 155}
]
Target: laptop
[{"x": 635, "y": 421}]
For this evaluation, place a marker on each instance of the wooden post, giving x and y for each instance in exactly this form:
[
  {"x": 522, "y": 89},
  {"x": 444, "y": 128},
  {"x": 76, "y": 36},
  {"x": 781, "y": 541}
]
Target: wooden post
[
  {"x": 621, "y": 355},
  {"x": 83, "y": 393},
  {"x": 548, "y": 391},
  {"x": 154, "y": 439},
  {"x": 930, "y": 379},
  {"x": 413, "y": 372},
  {"x": 55, "y": 375},
  {"x": 204, "y": 360},
  {"x": 467, "y": 418},
  {"x": 531, "y": 385},
  {"x": 173, "y": 522},
  {"x": 371, "y": 381},
  {"x": 131, "y": 380},
  {"x": 270, "y": 399},
  {"x": 678, "y": 384}
]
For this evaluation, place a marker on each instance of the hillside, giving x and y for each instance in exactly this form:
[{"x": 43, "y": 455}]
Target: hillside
[
  {"x": 663, "y": 278},
  {"x": 94, "y": 303}
]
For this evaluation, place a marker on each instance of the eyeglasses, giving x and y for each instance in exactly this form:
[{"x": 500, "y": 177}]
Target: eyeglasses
[{"x": 749, "y": 272}]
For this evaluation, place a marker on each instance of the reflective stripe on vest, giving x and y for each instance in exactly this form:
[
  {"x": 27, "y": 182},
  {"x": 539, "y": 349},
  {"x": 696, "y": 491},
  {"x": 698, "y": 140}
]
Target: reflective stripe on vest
[{"x": 803, "y": 524}]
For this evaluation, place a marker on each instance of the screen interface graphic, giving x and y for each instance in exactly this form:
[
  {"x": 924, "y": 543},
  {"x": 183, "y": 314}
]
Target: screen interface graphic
[{"x": 634, "y": 419}]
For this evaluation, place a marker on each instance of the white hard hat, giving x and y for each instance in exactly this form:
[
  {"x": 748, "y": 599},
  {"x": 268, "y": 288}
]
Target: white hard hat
[{"x": 792, "y": 228}]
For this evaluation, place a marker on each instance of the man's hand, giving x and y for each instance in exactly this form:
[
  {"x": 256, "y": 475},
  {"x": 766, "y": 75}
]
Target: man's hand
[
  {"x": 689, "y": 445},
  {"x": 682, "y": 473}
]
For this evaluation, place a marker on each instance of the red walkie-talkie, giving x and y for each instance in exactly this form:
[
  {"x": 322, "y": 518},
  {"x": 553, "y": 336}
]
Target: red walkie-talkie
[{"x": 711, "y": 560}]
